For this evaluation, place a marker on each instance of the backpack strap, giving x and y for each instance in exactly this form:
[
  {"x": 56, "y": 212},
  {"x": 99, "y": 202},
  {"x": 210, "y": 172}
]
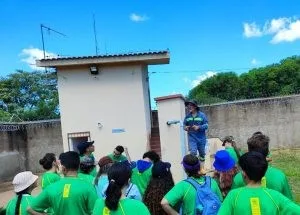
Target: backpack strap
[{"x": 131, "y": 185}]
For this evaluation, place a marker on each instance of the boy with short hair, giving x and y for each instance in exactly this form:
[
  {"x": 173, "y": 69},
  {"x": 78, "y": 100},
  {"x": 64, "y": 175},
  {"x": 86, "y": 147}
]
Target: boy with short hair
[
  {"x": 254, "y": 198},
  {"x": 274, "y": 179},
  {"x": 70, "y": 195}
]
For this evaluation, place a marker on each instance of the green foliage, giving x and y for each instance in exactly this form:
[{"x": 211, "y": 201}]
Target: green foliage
[
  {"x": 29, "y": 96},
  {"x": 272, "y": 80}
]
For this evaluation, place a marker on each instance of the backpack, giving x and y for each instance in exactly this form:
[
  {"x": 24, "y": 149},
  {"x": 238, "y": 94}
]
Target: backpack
[{"x": 207, "y": 202}]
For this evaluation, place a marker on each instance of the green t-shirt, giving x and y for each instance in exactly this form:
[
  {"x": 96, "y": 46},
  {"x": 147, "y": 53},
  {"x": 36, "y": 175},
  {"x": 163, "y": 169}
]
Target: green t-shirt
[
  {"x": 69, "y": 195},
  {"x": 94, "y": 170},
  {"x": 248, "y": 201},
  {"x": 126, "y": 206},
  {"x": 232, "y": 154},
  {"x": 117, "y": 159},
  {"x": 87, "y": 178},
  {"x": 141, "y": 179},
  {"x": 49, "y": 178},
  {"x": 274, "y": 179},
  {"x": 185, "y": 192},
  {"x": 25, "y": 202}
]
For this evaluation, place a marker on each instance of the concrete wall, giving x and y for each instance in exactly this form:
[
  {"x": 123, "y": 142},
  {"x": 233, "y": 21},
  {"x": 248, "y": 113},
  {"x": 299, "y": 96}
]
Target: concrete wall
[
  {"x": 279, "y": 118},
  {"x": 172, "y": 137},
  {"x": 115, "y": 98},
  {"x": 21, "y": 149}
]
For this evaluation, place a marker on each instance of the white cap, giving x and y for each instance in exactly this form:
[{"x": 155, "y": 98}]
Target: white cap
[{"x": 23, "y": 180}]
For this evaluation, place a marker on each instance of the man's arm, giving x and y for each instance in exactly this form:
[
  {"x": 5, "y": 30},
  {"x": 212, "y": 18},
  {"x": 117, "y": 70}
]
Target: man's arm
[
  {"x": 32, "y": 212},
  {"x": 167, "y": 208}
]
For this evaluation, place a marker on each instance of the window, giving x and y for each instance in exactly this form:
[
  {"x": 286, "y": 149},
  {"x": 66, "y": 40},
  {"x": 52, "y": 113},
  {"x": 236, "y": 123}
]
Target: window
[{"x": 75, "y": 138}]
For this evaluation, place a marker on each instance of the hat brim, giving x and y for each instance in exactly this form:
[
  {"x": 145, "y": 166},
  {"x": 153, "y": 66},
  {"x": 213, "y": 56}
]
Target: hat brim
[
  {"x": 223, "y": 168},
  {"x": 28, "y": 184}
]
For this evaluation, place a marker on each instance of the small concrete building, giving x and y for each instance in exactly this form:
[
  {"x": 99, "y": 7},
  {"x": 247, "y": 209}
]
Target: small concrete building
[{"x": 106, "y": 99}]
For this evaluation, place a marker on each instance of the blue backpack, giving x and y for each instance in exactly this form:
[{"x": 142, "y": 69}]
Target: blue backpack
[{"x": 207, "y": 202}]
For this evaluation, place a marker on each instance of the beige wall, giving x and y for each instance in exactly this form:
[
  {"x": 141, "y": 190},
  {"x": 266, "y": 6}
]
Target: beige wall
[
  {"x": 173, "y": 145},
  {"x": 114, "y": 98}
]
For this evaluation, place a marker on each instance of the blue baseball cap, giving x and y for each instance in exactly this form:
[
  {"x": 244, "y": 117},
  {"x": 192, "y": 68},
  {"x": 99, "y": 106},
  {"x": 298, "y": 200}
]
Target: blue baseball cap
[
  {"x": 83, "y": 146},
  {"x": 223, "y": 161}
]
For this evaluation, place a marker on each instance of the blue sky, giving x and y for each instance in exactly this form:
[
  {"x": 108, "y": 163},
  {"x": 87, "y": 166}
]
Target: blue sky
[{"x": 204, "y": 37}]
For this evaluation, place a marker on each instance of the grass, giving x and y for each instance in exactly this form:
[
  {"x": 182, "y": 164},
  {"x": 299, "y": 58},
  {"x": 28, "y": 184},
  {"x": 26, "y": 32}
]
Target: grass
[{"x": 288, "y": 160}]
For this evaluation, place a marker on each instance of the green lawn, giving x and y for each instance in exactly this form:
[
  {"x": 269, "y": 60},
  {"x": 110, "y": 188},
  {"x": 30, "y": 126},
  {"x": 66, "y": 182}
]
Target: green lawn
[{"x": 288, "y": 160}]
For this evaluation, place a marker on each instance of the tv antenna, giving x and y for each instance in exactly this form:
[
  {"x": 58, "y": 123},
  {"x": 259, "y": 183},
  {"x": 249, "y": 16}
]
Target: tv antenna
[
  {"x": 95, "y": 34},
  {"x": 49, "y": 30}
]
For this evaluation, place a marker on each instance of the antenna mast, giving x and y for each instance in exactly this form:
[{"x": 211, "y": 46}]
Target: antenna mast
[{"x": 95, "y": 34}]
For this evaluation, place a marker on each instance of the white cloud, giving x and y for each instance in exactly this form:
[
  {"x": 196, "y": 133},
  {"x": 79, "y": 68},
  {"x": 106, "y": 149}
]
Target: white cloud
[
  {"x": 288, "y": 34},
  {"x": 138, "y": 18},
  {"x": 254, "y": 62},
  {"x": 31, "y": 54},
  {"x": 283, "y": 29},
  {"x": 252, "y": 30},
  {"x": 201, "y": 78}
]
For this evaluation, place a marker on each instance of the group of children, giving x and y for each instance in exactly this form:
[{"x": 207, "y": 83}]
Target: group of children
[{"x": 241, "y": 184}]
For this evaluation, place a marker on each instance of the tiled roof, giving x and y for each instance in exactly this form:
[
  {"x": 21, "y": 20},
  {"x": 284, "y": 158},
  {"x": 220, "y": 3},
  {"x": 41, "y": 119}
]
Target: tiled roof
[{"x": 129, "y": 54}]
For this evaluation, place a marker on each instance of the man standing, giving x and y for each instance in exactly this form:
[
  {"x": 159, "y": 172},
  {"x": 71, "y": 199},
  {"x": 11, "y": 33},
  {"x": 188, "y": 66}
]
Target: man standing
[
  {"x": 86, "y": 149},
  {"x": 195, "y": 123}
]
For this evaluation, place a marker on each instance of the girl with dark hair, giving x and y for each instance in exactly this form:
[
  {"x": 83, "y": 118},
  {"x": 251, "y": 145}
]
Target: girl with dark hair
[
  {"x": 23, "y": 183},
  {"x": 49, "y": 163},
  {"x": 225, "y": 170},
  {"x": 116, "y": 202},
  {"x": 160, "y": 183},
  {"x": 184, "y": 191}
]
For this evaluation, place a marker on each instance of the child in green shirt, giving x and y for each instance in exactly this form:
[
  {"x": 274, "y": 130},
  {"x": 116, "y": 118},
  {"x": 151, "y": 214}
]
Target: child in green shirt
[
  {"x": 185, "y": 192},
  {"x": 254, "y": 198},
  {"x": 116, "y": 202},
  {"x": 24, "y": 183},
  {"x": 274, "y": 178},
  {"x": 86, "y": 149},
  {"x": 70, "y": 195},
  {"x": 50, "y": 164}
]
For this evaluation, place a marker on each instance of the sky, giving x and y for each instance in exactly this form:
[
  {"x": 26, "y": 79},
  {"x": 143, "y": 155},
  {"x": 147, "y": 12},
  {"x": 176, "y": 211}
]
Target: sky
[{"x": 204, "y": 37}]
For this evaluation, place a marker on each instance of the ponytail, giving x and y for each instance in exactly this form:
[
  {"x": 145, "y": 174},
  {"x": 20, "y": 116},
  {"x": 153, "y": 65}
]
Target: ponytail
[
  {"x": 113, "y": 195},
  {"x": 17, "y": 209},
  {"x": 18, "y": 204}
]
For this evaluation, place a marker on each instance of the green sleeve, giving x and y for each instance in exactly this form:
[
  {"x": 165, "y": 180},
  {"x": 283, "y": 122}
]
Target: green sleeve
[
  {"x": 215, "y": 188},
  {"x": 98, "y": 208},
  {"x": 177, "y": 193},
  {"x": 142, "y": 209},
  {"x": 41, "y": 202},
  {"x": 238, "y": 181},
  {"x": 286, "y": 190},
  {"x": 287, "y": 207},
  {"x": 91, "y": 199},
  {"x": 227, "y": 206}
]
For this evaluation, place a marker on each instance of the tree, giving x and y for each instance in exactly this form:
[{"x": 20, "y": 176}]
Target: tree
[
  {"x": 30, "y": 95},
  {"x": 272, "y": 80}
]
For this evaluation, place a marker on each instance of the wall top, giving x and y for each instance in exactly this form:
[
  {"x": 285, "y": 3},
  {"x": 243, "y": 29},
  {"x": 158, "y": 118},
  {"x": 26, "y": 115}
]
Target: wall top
[{"x": 176, "y": 96}]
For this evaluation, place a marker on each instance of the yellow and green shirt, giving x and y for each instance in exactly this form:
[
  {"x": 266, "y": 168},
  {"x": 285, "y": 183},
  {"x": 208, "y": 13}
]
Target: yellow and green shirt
[
  {"x": 25, "y": 202},
  {"x": 69, "y": 195},
  {"x": 257, "y": 201},
  {"x": 49, "y": 178},
  {"x": 274, "y": 179},
  {"x": 126, "y": 207}
]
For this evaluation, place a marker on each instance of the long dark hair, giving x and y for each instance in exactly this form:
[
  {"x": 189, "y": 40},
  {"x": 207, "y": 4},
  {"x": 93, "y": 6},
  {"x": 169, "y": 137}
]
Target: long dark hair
[
  {"x": 118, "y": 176},
  {"x": 20, "y": 195},
  {"x": 47, "y": 161},
  {"x": 156, "y": 190}
]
